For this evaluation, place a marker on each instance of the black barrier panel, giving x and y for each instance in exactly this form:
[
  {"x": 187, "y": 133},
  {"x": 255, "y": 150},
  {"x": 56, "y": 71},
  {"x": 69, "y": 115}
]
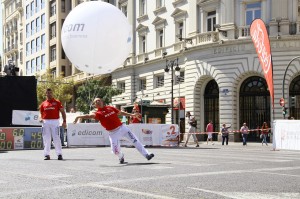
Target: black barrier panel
[{"x": 16, "y": 93}]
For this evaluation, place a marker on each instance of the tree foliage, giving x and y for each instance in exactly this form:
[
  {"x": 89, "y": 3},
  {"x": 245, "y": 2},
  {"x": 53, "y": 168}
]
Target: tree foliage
[
  {"x": 91, "y": 89},
  {"x": 62, "y": 90}
]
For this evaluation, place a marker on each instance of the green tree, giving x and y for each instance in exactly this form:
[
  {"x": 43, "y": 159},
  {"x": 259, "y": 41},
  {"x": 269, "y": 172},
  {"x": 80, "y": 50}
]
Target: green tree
[
  {"x": 91, "y": 89},
  {"x": 62, "y": 90}
]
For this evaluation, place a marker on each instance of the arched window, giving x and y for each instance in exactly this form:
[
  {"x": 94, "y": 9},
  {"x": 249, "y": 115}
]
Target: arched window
[
  {"x": 254, "y": 104},
  {"x": 294, "y": 101},
  {"x": 211, "y": 106}
]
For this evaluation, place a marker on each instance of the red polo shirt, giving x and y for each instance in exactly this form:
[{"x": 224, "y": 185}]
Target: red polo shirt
[
  {"x": 50, "y": 109},
  {"x": 108, "y": 117}
]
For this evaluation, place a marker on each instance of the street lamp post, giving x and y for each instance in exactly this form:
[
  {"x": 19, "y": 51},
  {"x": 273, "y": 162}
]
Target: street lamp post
[{"x": 170, "y": 64}]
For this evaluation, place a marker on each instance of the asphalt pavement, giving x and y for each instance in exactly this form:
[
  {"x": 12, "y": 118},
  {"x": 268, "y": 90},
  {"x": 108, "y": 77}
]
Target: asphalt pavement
[{"x": 210, "y": 171}]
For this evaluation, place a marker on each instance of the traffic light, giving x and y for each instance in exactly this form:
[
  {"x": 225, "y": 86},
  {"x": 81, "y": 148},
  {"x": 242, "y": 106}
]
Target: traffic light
[
  {"x": 293, "y": 101},
  {"x": 281, "y": 102},
  {"x": 284, "y": 111}
]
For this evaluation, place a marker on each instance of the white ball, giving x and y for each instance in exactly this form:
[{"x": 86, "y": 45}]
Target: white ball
[{"x": 96, "y": 37}]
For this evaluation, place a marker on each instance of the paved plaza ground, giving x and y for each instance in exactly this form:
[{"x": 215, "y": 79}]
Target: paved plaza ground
[{"x": 210, "y": 171}]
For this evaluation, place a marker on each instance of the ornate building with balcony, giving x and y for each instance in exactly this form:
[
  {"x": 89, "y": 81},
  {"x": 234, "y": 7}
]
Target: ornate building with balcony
[{"x": 221, "y": 77}]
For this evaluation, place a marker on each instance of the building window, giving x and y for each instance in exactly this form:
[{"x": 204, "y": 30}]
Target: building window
[
  {"x": 142, "y": 44},
  {"x": 38, "y": 43},
  {"x": 179, "y": 30},
  {"x": 43, "y": 4},
  {"x": 253, "y": 11},
  {"x": 37, "y": 5},
  {"x": 121, "y": 86},
  {"x": 28, "y": 68},
  {"x": 53, "y": 8},
  {"x": 33, "y": 46},
  {"x": 52, "y": 53},
  {"x": 33, "y": 70},
  {"x": 43, "y": 40},
  {"x": 53, "y": 73},
  {"x": 160, "y": 81},
  {"x": 43, "y": 21},
  {"x": 32, "y": 27},
  {"x": 53, "y": 30},
  {"x": 160, "y": 38},
  {"x": 159, "y": 3},
  {"x": 27, "y": 12},
  {"x": 142, "y": 7},
  {"x": 38, "y": 24},
  {"x": 28, "y": 49},
  {"x": 211, "y": 21},
  {"x": 38, "y": 63},
  {"x": 32, "y": 8},
  {"x": 63, "y": 5},
  {"x": 43, "y": 61},
  {"x": 124, "y": 10},
  {"x": 142, "y": 84},
  {"x": 28, "y": 31}
]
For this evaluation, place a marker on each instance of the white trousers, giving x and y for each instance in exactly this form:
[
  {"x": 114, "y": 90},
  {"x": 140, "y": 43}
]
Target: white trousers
[
  {"x": 191, "y": 130},
  {"x": 50, "y": 129},
  {"x": 123, "y": 131}
]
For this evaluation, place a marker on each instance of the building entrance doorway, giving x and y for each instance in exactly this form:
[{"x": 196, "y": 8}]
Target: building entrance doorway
[
  {"x": 211, "y": 107},
  {"x": 294, "y": 102},
  {"x": 254, "y": 105}
]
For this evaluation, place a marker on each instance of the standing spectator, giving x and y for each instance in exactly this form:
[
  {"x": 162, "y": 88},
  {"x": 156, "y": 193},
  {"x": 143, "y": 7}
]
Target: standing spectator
[
  {"x": 209, "y": 130},
  {"x": 72, "y": 110},
  {"x": 136, "y": 117},
  {"x": 192, "y": 128},
  {"x": 225, "y": 133},
  {"x": 49, "y": 116},
  {"x": 244, "y": 130},
  {"x": 108, "y": 117},
  {"x": 62, "y": 135},
  {"x": 264, "y": 132}
]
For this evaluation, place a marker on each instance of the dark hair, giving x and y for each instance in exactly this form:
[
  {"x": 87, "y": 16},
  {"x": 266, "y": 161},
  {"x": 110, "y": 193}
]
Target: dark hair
[{"x": 48, "y": 89}]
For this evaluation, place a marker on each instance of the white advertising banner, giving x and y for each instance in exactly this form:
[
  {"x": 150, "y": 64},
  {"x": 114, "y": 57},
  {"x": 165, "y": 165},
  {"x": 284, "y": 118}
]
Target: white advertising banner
[
  {"x": 20, "y": 117},
  {"x": 93, "y": 134},
  {"x": 87, "y": 134},
  {"x": 286, "y": 134}
]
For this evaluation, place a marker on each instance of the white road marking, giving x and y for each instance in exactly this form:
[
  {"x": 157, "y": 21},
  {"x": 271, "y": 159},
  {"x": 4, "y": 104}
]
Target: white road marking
[
  {"x": 251, "y": 195},
  {"x": 130, "y": 191},
  {"x": 280, "y": 174}
]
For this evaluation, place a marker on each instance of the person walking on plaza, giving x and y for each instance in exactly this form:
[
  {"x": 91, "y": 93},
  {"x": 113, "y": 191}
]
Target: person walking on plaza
[
  {"x": 49, "y": 116},
  {"x": 192, "y": 129},
  {"x": 209, "y": 130},
  {"x": 225, "y": 133},
  {"x": 108, "y": 117},
  {"x": 264, "y": 132},
  {"x": 244, "y": 130}
]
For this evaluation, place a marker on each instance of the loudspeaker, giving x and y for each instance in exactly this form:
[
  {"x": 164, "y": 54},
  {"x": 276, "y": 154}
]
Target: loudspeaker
[{"x": 16, "y": 93}]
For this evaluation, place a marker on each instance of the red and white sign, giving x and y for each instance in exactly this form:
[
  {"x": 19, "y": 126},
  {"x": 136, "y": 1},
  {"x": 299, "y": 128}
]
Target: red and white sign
[{"x": 261, "y": 42}]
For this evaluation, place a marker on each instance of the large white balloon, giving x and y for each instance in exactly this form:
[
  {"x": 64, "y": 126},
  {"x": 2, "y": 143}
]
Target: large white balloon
[{"x": 96, "y": 37}]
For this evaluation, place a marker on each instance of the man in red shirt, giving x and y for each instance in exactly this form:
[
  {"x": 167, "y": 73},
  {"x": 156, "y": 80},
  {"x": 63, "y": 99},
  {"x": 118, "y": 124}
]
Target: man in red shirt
[
  {"x": 209, "y": 130},
  {"x": 49, "y": 114},
  {"x": 108, "y": 117}
]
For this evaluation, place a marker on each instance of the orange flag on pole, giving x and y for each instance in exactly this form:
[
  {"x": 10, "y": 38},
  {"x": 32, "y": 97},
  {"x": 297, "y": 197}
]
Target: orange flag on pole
[{"x": 261, "y": 42}]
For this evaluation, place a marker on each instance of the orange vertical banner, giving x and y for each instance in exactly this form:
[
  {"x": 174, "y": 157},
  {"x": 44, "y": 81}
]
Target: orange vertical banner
[{"x": 261, "y": 42}]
